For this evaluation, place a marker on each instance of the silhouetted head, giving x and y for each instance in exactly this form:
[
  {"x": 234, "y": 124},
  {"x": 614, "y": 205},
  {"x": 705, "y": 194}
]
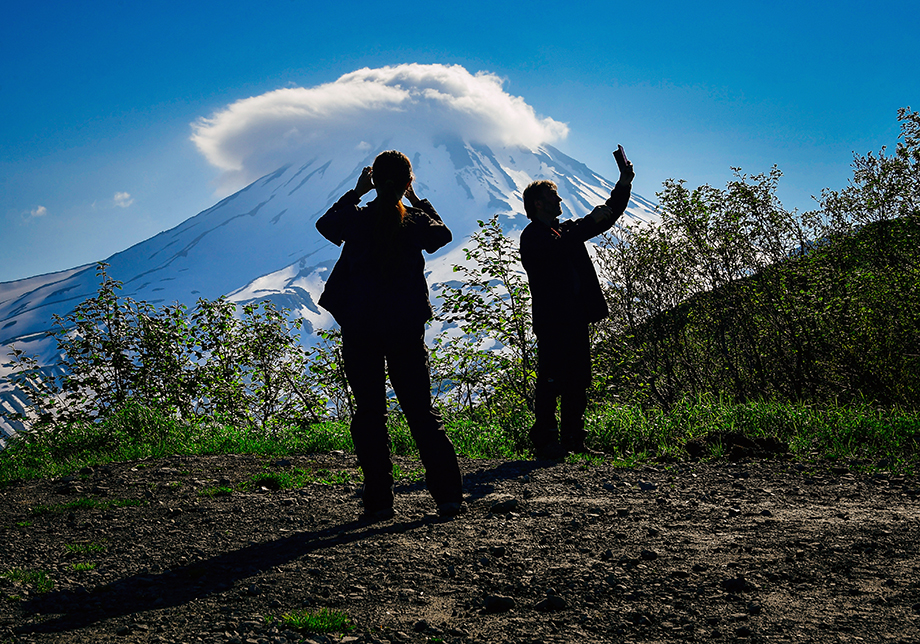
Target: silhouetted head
[
  {"x": 541, "y": 201},
  {"x": 392, "y": 174}
]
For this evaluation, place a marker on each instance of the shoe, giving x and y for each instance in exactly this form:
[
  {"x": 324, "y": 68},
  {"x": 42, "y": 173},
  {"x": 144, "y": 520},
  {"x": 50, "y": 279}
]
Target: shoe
[
  {"x": 552, "y": 451},
  {"x": 450, "y": 510},
  {"x": 376, "y": 516}
]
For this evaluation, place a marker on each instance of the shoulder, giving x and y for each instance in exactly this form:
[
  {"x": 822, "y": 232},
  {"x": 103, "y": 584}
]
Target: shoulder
[
  {"x": 415, "y": 216},
  {"x": 532, "y": 230},
  {"x": 424, "y": 213}
]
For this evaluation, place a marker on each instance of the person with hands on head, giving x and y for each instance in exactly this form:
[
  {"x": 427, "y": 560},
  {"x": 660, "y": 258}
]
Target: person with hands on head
[
  {"x": 566, "y": 298},
  {"x": 378, "y": 294}
]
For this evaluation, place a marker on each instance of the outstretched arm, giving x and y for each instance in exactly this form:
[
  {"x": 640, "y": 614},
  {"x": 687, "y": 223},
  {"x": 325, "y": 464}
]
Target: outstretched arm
[{"x": 619, "y": 196}]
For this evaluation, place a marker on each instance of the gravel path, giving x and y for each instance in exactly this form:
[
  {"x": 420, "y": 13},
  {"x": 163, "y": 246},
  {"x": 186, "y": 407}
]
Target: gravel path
[{"x": 757, "y": 550}]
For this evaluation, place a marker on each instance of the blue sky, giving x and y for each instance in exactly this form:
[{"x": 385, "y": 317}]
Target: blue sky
[{"x": 97, "y": 100}]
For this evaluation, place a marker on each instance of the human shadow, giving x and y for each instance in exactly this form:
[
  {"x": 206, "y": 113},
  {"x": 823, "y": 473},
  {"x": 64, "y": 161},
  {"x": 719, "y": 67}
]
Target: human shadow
[
  {"x": 181, "y": 585},
  {"x": 478, "y": 485},
  {"x": 138, "y": 593}
]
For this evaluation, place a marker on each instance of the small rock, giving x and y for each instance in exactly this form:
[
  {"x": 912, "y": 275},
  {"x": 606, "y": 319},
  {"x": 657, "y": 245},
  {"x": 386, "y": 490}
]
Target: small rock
[
  {"x": 504, "y": 507},
  {"x": 498, "y": 604},
  {"x": 551, "y": 603},
  {"x": 648, "y": 555},
  {"x": 735, "y": 584},
  {"x": 646, "y": 486}
]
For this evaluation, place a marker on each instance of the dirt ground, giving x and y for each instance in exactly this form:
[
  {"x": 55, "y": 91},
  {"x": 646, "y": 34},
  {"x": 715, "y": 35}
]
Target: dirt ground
[{"x": 767, "y": 550}]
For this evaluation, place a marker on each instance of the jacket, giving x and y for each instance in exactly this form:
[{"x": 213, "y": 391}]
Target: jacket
[
  {"x": 564, "y": 287},
  {"x": 380, "y": 275}
]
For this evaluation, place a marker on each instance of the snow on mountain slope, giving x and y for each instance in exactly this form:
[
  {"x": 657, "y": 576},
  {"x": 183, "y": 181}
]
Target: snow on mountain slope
[{"x": 264, "y": 235}]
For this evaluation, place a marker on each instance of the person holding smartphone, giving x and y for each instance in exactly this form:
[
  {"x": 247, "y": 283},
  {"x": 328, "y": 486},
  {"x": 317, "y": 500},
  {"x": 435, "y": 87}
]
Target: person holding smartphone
[
  {"x": 565, "y": 298},
  {"x": 378, "y": 294}
]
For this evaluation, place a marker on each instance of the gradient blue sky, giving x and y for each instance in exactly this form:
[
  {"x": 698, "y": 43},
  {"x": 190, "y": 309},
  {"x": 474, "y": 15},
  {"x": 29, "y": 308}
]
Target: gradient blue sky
[{"x": 97, "y": 98}]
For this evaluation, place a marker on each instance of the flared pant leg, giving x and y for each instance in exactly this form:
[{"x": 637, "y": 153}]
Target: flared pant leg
[
  {"x": 368, "y": 353},
  {"x": 407, "y": 362}
]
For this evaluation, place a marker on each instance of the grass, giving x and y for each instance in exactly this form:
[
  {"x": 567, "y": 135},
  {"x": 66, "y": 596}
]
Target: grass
[
  {"x": 84, "y": 548},
  {"x": 84, "y": 504},
  {"x": 83, "y": 567},
  {"x": 411, "y": 476},
  {"x": 291, "y": 479},
  {"x": 890, "y": 438},
  {"x": 37, "y": 580},
  {"x": 323, "y": 620},
  {"x": 220, "y": 490},
  {"x": 630, "y": 434}
]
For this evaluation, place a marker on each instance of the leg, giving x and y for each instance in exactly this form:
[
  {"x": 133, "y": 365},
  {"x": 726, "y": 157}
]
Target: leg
[
  {"x": 577, "y": 378},
  {"x": 545, "y": 431},
  {"x": 362, "y": 353},
  {"x": 407, "y": 361}
]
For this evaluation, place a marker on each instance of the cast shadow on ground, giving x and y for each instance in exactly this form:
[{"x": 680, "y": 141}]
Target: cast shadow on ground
[
  {"x": 75, "y": 609},
  {"x": 143, "y": 592}
]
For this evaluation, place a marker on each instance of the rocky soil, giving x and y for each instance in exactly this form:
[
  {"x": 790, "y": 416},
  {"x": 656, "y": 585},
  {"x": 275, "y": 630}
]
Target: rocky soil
[{"x": 752, "y": 551}]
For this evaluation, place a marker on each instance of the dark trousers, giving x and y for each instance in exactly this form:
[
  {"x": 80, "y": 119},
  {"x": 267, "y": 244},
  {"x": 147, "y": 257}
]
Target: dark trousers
[
  {"x": 563, "y": 372},
  {"x": 365, "y": 350}
]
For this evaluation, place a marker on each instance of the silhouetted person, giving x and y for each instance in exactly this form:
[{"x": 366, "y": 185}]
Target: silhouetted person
[
  {"x": 378, "y": 294},
  {"x": 566, "y": 298}
]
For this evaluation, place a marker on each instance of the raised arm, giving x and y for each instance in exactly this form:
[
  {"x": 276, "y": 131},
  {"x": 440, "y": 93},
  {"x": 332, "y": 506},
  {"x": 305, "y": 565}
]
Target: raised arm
[{"x": 334, "y": 224}]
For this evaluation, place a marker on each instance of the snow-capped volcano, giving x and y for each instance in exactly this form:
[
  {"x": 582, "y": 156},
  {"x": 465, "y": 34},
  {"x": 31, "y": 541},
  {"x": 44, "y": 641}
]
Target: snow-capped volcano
[{"x": 261, "y": 242}]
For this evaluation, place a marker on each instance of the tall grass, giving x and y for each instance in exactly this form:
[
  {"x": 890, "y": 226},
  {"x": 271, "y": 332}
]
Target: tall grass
[
  {"x": 630, "y": 432},
  {"x": 856, "y": 431}
]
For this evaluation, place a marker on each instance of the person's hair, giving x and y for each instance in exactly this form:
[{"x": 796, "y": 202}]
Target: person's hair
[
  {"x": 391, "y": 173},
  {"x": 536, "y": 190}
]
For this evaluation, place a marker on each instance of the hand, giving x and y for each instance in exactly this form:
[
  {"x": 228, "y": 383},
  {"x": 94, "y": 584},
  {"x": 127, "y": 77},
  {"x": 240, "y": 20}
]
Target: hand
[
  {"x": 412, "y": 197},
  {"x": 365, "y": 183},
  {"x": 627, "y": 174},
  {"x": 601, "y": 214}
]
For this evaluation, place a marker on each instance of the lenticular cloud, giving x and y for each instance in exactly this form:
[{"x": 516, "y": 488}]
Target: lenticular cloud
[{"x": 363, "y": 109}]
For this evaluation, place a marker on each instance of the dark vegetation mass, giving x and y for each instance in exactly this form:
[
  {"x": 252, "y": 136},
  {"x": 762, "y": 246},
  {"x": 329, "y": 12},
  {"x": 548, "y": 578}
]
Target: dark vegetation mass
[{"x": 732, "y": 318}]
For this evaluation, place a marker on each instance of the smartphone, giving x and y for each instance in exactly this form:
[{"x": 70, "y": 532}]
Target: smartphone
[{"x": 620, "y": 155}]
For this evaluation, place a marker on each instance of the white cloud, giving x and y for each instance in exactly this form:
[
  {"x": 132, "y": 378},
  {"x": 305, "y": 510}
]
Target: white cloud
[
  {"x": 122, "y": 199},
  {"x": 256, "y": 135},
  {"x": 35, "y": 213}
]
